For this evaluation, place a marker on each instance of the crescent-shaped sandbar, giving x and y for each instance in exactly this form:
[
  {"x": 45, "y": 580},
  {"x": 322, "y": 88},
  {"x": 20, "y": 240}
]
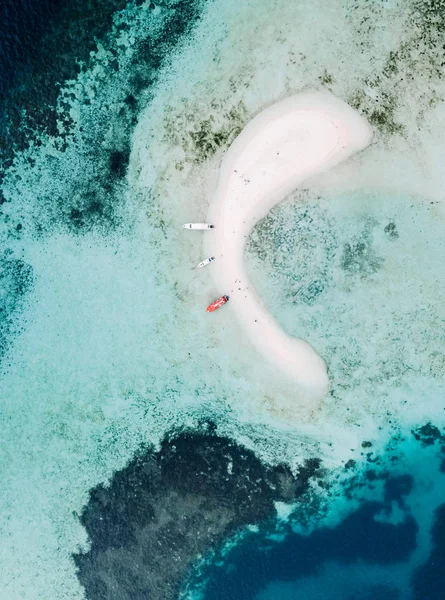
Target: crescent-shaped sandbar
[{"x": 280, "y": 148}]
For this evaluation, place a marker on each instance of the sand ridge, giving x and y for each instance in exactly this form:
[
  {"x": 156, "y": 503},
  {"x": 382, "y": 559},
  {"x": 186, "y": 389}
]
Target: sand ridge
[{"x": 277, "y": 151}]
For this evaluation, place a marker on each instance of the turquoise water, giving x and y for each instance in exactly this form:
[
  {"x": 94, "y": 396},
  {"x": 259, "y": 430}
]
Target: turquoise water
[
  {"x": 368, "y": 266},
  {"x": 105, "y": 346},
  {"x": 361, "y": 274}
]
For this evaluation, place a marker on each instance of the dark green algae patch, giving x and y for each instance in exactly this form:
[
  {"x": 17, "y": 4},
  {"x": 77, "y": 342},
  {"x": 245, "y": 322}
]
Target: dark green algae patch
[
  {"x": 201, "y": 140},
  {"x": 419, "y": 57},
  {"x": 168, "y": 508}
]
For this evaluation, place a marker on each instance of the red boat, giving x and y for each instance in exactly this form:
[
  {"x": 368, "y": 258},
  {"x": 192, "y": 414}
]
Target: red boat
[{"x": 217, "y": 303}]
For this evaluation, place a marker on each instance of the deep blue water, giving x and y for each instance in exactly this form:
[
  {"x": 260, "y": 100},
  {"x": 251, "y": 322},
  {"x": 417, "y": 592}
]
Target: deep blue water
[
  {"x": 253, "y": 566},
  {"x": 258, "y": 568},
  {"x": 23, "y": 23},
  {"x": 367, "y": 556}
]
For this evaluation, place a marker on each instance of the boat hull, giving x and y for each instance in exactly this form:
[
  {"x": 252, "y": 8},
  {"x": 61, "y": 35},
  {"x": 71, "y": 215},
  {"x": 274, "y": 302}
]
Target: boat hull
[
  {"x": 217, "y": 304},
  {"x": 198, "y": 226},
  {"x": 205, "y": 262}
]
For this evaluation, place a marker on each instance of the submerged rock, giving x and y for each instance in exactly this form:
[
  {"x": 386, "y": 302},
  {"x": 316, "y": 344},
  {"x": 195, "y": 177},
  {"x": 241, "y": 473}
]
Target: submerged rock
[
  {"x": 168, "y": 508},
  {"x": 428, "y": 434}
]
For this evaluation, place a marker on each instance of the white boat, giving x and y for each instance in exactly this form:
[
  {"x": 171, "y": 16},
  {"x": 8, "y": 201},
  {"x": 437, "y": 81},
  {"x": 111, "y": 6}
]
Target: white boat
[
  {"x": 205, "y": 262},
  {"x": 198, "y": 226}
]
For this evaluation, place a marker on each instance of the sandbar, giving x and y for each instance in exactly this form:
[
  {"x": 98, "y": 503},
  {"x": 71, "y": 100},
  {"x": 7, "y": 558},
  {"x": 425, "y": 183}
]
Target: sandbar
[{"x": 284, "y": 145}]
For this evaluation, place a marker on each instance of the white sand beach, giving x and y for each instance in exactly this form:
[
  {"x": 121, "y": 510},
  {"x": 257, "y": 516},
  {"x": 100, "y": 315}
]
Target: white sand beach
[{"x": 277, "y": 151}]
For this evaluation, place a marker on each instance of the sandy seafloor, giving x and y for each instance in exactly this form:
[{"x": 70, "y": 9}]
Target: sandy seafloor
[{"x": 105, "y": 343}]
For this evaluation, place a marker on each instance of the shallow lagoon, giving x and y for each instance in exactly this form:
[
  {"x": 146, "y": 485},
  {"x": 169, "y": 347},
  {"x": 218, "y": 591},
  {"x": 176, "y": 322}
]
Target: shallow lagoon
[{"x": 105, "y": 338}]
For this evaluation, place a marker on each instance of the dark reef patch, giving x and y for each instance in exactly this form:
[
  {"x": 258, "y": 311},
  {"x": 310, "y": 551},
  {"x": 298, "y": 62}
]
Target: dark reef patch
[
  {"x": 428, "y": 581},
  {"x": 428, "y": 435},
  {"x": 169, "y": 507},
  {"x": 88, "y": 214},
  {"x": 391, "y": 231},
  {"x": 310, "y": 293},
  {"x": 118, "y": 162},
  {"x": 16, "y": 279},
  {"x": 359, "y": 256}
]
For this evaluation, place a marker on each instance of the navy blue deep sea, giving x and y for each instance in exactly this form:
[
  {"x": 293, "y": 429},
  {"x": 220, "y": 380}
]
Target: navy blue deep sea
[
  {"x": 363, "y": 557},
  {"x": 378, "y": 549},
  {"x": 22, "y": 25}
]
